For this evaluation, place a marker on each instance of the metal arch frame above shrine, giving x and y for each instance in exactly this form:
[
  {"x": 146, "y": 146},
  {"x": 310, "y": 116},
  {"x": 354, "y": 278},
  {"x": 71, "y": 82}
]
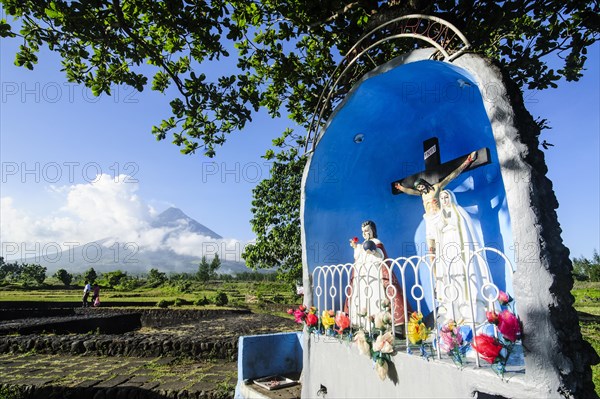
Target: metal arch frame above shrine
[{"x": 430, "y": 29}]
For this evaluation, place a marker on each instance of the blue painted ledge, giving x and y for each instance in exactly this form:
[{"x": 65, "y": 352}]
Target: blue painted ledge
[{"x": 268, "y": 354}]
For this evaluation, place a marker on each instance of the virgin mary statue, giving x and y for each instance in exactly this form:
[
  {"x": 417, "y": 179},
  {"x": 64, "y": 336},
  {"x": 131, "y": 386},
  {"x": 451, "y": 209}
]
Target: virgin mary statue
[{"x": 458, "y": 265}]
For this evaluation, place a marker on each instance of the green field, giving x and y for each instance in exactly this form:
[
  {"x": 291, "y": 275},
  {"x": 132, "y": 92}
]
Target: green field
[
  {"x": 587, "y": 303},
  {"x": 273, "y": 297},
  {"x": 239, "y": 293}
]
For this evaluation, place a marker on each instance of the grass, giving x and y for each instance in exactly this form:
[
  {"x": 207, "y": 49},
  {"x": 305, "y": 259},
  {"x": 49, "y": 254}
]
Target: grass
[
  {"x": 587, "y": 303},
  {"x": 236, "y": 291}
]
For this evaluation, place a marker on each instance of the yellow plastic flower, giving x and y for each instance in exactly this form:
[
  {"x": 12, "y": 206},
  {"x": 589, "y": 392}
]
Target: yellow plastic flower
[
  {"x": 417, "y": 331},
  {"x": 327, "y": 319}
]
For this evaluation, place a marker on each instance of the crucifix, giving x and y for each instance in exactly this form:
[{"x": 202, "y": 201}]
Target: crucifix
[{"x": 429, "y": 183}]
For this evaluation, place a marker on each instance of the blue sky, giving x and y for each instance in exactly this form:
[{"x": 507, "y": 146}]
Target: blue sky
[{"x": 55, "y": 138}]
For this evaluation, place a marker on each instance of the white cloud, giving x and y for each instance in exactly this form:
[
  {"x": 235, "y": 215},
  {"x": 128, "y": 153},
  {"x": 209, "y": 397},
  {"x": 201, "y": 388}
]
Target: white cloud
[
  {"x": 108, "y": 209},
  {"x": 188, "y": 243}
]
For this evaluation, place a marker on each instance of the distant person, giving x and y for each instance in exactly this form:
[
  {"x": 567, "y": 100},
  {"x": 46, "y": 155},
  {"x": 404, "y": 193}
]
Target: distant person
[
  {"x": 96, "y": 295},
  {"x": 86, "y": 293}
]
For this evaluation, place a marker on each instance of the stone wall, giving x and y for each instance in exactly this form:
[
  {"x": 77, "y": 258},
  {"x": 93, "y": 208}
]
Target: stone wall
[{"x": 84, "y": 334}]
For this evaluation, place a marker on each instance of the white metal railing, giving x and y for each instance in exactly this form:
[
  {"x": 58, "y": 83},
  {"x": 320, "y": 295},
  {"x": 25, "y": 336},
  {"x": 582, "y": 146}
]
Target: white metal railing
[{"x": 458, "y": 288}]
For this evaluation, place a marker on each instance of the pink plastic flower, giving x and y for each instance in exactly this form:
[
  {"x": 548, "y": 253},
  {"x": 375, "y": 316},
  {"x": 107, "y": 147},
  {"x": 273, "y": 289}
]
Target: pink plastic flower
[
  {"x": 504, "y": 298},
  {"x": 450, "y": 338},
  {"x": 508, "y": 325},
  {"x": 363, "y": 345},
  {"x": 384, "y": 343},
  {"x": 299, "y": 316},
  {"x": 381, "y": 367},
  {"x": 290, "y": 311}
]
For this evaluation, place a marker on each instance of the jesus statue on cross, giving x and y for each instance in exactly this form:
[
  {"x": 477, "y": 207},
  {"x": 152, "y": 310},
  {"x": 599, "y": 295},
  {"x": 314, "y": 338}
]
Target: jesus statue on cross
[{"x": 430, "y": 193}]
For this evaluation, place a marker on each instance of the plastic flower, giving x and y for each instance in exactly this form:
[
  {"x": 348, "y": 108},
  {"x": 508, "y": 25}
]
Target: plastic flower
[
  {"x": 492, "y": 317},
  {"x": 508, "y": 325},
  {"x": 311, "y": 319},
  {"x": 299, "y": 316},
  {"x": 488, "y": 347},
  {"x": 382, "y": 319},
  {"x": 417, "y": 331},
  {"x": 450, "y": 337},
  {"x": 363, "y": 345},
  {"x": 504, "y": 298},
  {"x": 302, "y": 308},
  {"x": 342, "y": 321},
  {"x": 384, "y": 343},
  {"x": 381, "y": 367},
  {"x": 327, "y": 319},
  {"x": 290, "y": 311}
]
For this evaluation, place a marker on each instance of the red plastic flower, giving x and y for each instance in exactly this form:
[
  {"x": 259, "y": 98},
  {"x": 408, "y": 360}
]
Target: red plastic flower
[
  {"x": 302, "y": 308},
  {"x": 311, "y": 319},
  {"x": 488, "y": 347},
  {"x": 508, "y": 325},
  {"x": 492, "y": 317}
]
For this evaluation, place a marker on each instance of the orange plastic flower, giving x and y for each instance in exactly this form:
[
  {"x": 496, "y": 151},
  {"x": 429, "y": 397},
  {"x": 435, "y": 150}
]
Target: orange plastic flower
[
  {"x": 492, "y": 317},
  {"x": 342, "y": 321}
]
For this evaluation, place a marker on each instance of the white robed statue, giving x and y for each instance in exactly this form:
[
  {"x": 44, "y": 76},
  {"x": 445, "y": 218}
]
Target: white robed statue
[
  {"x": 373, "y": 286},
  {"x": 459, "y": 275}
]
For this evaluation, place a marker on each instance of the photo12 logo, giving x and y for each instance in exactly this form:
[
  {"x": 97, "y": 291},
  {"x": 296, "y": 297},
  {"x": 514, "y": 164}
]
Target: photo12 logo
[
  {"x": 70, "y": 93},
  {"x": 70, "y": 252},
  {"x": 235, "y": 172},
  {"x": 68, "y": 172}
]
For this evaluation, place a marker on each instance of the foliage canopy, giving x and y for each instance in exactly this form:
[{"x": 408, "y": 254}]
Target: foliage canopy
[
  {"x": 280, "y": 54},
  {"x": 585, "y": 269}
]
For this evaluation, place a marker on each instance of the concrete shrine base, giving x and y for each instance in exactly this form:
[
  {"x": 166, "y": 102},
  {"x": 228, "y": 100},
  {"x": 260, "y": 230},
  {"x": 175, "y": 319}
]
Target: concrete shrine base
[{"x": 339, "y": 368}]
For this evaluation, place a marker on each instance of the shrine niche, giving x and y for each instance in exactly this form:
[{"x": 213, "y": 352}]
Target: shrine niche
[
  {"x": 409, "y": 135},
  {"x": 424, "y": 160}
]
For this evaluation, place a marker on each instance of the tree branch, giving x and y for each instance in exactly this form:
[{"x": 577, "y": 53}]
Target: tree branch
[{"x": 154, "y": 55}]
